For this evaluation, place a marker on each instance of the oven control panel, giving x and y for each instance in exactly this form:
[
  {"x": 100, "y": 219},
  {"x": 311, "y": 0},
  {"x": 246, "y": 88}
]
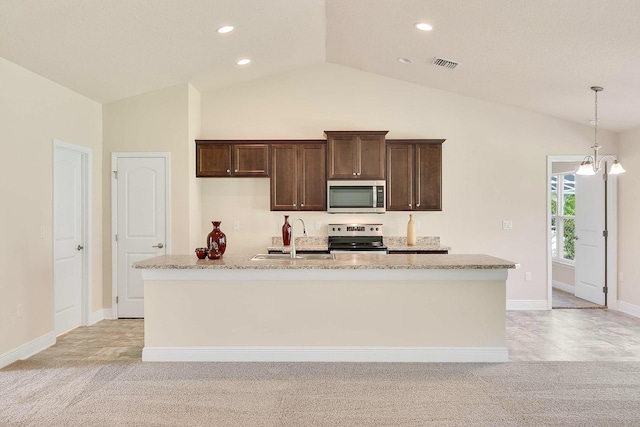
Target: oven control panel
[{"x": 355, "y": 230}]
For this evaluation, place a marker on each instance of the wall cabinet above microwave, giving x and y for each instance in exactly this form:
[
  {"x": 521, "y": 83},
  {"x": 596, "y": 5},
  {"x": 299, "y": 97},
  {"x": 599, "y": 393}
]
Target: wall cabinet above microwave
[
  {"x": 356, "y": 154},
  {"x": 231, "y": 159}
]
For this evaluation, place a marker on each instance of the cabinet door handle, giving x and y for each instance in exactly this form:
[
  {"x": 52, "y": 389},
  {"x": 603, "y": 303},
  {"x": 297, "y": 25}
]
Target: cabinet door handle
[
  {"x": 302, "y": 205},
  {"x": 354, "y": 174},
  {"x": 417, "y": 205},
  {"x": 236, "y": 170},
  {"x": 159, "y": 245},
  {"x": 79, "y": 248},
  {"x": 358, "y": 174},
  {"x": 294, "y": 205},
  {"x": 228, "y": 170},
  {"x": 409, "y": 204}
]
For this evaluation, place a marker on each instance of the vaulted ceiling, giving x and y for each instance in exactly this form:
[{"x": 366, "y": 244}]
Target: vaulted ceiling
[{"x": 540, "y": 55}]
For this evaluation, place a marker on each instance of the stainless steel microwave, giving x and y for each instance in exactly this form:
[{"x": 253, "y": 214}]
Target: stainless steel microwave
[{"x": 356, "y": 196}]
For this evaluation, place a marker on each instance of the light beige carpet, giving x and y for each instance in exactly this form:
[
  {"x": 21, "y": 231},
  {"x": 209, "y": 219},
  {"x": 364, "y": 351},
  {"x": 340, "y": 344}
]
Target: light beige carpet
[{"x": 132, "y": 393}]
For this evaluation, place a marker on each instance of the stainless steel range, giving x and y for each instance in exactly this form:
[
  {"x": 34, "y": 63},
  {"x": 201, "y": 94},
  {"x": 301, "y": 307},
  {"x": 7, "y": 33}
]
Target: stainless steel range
[{"x": 356, "y": 238}]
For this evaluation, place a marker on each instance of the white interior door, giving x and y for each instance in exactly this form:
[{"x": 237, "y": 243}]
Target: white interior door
[
  {"x": 590, "y": 243},
  {"x": 69, "y": 239},
  {"x": 141, "y": 225}
]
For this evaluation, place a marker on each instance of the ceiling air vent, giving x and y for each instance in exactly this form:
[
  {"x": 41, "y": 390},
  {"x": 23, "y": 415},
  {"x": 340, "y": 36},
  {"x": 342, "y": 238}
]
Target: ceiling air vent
[{"x": 446, "y": 63}]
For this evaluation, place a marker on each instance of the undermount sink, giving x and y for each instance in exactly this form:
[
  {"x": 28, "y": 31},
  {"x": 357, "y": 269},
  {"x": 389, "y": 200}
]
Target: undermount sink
[{"x": 262, "y": 257}]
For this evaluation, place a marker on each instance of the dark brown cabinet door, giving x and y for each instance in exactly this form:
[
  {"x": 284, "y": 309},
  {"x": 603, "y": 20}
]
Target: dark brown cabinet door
[
  {"x": 414, "y": 175},
  {"x": 400, "y": 177},
  {"x": 428, "y": 177},
  {"x": 312, "y": 181},
  {"x": 371, "y": 150},
  {"x": 298, "y": 177},
  {"x": 218, "y": 159},
  {"x": 284, "y": 186},
  {"x": 343, "y": 157},
  {"x": 251, "y": 160},
  {"x": 356, "y": 155},
  {"x": 213, "y": 160}
]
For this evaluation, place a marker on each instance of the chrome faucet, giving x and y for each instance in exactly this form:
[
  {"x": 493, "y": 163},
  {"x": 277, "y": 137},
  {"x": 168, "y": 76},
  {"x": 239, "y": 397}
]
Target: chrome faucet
[{"x": 293, "y": 239}]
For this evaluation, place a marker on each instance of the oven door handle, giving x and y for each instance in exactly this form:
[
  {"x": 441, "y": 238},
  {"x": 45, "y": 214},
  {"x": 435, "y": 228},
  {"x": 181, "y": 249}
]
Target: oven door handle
[{"x": 378, "y": 252}]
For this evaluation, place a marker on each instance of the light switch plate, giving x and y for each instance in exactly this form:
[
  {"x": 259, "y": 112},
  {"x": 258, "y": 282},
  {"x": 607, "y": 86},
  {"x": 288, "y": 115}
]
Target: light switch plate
[
  {"x": 236, "y": 225},
  {"x": 318, "y": 225},
  {"x": 417, "y": 223},
  {"x": 507, "y": 225}
]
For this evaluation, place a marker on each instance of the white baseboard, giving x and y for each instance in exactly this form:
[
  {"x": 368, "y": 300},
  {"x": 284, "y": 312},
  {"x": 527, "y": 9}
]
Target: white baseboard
[
  {"x": 564, "y": 287},
  {"x": 325, "y": 354},
  {"x": 27, "y": 350},
  {"x": 527, "y": 304},
  {"x": 105, "y": 313},
  {"x": 629, "y": 308}
]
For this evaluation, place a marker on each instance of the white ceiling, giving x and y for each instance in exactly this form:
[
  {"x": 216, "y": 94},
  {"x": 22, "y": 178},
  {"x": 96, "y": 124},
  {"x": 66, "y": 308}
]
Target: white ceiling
[{"x": 541, "y": 55}]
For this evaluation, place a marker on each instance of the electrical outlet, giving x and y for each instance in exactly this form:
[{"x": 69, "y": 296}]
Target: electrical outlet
[
  {"x": 318, "y": 225},
  {"x": 236, "y": 225},
  {"x": 19, "y": 310},
  {"x": 507, "y": 225},
  {"x": 417, "y": 223},
  {"x": 527, "y": 276}
]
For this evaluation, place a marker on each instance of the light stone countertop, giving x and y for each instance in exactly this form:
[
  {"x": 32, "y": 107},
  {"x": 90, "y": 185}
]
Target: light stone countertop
[
  {"x": 319, "y": 244},
  {"x": 341, "y": 262}
]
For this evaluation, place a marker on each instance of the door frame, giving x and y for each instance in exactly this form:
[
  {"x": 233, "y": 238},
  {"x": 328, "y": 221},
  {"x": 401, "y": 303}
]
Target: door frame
[
  {"x": 612, "y": 227},
  {"x": 114, "y": 213},
  {"x": 87, "y": 225}
]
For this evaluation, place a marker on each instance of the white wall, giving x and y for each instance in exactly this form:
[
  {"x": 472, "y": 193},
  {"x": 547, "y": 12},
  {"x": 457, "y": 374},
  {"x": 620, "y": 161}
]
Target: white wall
[
  {"x": 563, "y": 274},
  {"x": 33, "y": 112},
  {"x": 628, "y": 220},
  {"x": 158, "y": 121},
  {"x": 195, "y": 207},
  {"x": 494, "y": 160}
]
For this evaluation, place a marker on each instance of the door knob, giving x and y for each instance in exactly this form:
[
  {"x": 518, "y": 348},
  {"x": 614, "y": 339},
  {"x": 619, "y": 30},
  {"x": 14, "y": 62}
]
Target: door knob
[
  {"x": 79, "y": 248},
  {"x": 159, "y": 245}
]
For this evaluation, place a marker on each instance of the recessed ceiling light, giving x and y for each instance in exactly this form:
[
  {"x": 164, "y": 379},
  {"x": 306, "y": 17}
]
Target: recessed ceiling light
[
  {"x": 405, "y": 61},
  {"x": 225, "y": 29},
  {"x": 424, "y": 27},
  {"x": 243, "y": 61}
]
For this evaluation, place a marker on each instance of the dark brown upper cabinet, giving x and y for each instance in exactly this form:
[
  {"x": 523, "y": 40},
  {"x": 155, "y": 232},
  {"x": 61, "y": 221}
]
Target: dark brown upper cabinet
[
  {"x": 356, "y": 154},
  {"x": 231, "y": 158},
  {"x": 298, "y": 177},
  {"x": 414, "y": 175}
]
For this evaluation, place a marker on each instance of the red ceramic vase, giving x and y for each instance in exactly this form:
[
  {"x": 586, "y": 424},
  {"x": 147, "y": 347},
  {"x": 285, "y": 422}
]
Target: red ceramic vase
[
  {"x": 218, "y": 237},
  {"x": 286, "y": 231}
]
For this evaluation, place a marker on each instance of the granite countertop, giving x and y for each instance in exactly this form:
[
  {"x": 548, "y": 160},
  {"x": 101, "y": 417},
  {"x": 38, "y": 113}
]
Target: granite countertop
[
  {"x": 427, "y": 243},
  {"x": 319, "y": 244},
  {"x": 341, "y": 262}
]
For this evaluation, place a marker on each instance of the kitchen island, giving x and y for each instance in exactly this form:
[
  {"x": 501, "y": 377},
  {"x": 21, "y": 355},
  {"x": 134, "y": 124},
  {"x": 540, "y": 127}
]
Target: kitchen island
[{"x": 374, "y": 308}]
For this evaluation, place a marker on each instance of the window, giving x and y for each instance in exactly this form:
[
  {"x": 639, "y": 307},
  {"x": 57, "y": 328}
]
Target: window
[{"x": 563, "y": 221}]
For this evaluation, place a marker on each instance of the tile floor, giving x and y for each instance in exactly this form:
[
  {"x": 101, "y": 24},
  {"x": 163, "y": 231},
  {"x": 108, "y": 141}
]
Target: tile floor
[
  {"x": 573, "y": 335},
  {"x": 553, "y": 335},
  {"x": 562, "y": 299}
]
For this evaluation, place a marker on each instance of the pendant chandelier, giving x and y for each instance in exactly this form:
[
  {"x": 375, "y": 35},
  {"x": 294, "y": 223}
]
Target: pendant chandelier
[{"x": 591, "y": 165}]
